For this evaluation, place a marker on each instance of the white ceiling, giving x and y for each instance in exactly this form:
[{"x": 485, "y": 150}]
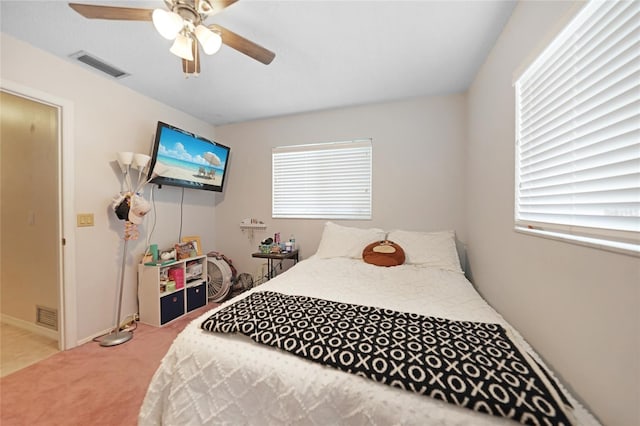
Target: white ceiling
[{"x": 329, "y": 54}]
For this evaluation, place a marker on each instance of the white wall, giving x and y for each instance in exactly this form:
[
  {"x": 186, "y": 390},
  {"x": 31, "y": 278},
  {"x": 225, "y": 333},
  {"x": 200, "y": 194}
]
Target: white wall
[
  {"x": 109, "y": 118},
  {"x": 579, "y": 307},
  {"x": 418, "y": 173}
]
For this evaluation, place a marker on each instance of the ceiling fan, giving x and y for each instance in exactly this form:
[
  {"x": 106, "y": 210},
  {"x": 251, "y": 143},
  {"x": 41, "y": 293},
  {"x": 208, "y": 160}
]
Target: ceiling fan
[{"x": 183, "y": 22}]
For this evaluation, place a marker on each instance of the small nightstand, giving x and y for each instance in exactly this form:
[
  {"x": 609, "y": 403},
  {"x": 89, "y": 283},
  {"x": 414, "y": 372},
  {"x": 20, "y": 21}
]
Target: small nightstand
[{"x": 276, "y": 256}]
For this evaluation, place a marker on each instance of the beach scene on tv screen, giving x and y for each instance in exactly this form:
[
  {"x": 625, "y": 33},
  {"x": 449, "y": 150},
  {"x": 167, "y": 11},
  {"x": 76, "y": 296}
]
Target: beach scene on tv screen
[{"x": 184, "y": 157}]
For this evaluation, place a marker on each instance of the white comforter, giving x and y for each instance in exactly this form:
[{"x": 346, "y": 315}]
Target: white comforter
[{"x": 208, "y": 378}]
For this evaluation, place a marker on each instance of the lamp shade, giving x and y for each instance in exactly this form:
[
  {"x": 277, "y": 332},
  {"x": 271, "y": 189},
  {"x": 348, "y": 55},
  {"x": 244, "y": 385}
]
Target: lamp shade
[
  {"x": 210, "y": 40},
  {"x": 182, "y": 47},
  {"x": 124, "y": 160},
  {"x": 168, "y": 24},
  {"x": 140, "y": 161}
]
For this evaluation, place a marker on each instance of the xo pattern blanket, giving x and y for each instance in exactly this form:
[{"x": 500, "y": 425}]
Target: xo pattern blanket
[{"x": 471, "y": 364}]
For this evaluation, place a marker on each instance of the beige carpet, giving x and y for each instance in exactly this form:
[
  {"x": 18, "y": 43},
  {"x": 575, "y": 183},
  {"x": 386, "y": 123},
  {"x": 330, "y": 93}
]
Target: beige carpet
[
  {"x": 90, "y": 384},
  {"x": 20, "y": 348}
]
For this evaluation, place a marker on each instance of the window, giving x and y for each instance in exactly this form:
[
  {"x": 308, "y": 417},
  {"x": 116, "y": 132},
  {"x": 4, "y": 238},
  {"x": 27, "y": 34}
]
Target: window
[
  {"x": 328, "y": 181},
  {"x": 578, "y": 132}
]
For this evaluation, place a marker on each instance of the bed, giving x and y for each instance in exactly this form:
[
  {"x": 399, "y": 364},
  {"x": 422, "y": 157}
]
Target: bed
[{"x": 214, "y": 377}]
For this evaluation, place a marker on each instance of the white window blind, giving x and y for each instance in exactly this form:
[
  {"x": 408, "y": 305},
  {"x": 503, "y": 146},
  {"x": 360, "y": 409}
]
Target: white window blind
[
  {"x": 578, "y": 131},
  {"x": 328, "y": 181}
]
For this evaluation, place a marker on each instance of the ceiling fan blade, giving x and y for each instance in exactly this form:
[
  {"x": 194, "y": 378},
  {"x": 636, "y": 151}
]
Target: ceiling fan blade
[
  {"x": 245, "y": 46},
  {"x": 111, "y": 12}
]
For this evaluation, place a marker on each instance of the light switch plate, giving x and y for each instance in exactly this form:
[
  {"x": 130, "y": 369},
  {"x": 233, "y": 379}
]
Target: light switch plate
[{"x": 85, "y": 219}]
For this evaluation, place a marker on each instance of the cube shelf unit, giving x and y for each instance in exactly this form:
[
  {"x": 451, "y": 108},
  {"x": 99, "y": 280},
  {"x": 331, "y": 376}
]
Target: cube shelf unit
[{"x": 160, "y": 306}]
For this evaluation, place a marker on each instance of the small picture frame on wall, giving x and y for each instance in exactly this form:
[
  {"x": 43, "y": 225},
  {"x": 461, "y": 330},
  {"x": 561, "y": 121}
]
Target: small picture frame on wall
[{"x": 196, "y": 243}]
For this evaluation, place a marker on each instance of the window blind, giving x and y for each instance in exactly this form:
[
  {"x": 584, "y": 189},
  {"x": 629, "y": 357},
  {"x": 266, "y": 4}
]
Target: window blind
[
  {"x": 329, "y": 180},
  {"x": 578, "y": 129}
]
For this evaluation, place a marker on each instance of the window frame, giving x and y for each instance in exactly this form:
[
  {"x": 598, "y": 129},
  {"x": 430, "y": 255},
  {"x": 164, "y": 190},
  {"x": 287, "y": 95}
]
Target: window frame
[
  {"x": 620, "y": 241},
  {"x": 308, "y": 157}
]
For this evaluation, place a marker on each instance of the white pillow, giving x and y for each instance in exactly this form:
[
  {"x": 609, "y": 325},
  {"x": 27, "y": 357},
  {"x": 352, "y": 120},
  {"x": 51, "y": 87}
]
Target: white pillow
[
  {"x": 433, "y": 249},
  {"x": 346, "y": 241}
]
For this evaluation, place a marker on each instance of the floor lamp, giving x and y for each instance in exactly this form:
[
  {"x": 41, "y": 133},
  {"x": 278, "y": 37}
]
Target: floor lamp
[{"x": 131, "y": 208}]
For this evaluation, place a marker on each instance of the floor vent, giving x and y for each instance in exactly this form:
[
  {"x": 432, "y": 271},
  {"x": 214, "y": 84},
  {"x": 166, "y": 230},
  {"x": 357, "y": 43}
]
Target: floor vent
[
  {"x": 98, "y": 64},
  {"x": 47, "y": 317}
]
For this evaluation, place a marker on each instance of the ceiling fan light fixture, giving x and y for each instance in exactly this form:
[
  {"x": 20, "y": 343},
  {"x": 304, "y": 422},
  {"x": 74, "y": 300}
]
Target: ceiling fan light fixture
[
  {"x": 210, "y": 40},
  {"x": 183, "y": 47},
  {"x": 205, "y": 7},
  {"x": 168, "y": 24}
]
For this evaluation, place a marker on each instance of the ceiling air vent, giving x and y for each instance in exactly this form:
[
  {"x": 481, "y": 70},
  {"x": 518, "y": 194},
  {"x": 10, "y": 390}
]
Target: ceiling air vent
[{"x": 98, "y": 64}]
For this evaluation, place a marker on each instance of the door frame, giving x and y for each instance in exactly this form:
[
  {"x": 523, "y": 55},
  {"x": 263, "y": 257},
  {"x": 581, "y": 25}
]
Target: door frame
[{"x": 67, "y": 304}]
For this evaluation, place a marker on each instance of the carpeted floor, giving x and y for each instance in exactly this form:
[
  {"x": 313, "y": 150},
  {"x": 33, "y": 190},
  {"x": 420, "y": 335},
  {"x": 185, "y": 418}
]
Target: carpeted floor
[{"x": 90, "y": 384}]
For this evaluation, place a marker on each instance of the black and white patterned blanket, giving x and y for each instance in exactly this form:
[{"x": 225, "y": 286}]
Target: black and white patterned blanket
[{"x": 470, "y": 364}]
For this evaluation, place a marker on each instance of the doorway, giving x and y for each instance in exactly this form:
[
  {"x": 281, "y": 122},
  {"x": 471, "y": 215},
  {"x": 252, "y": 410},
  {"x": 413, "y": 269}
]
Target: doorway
[
  {"x": 29, "y": 217},
  {"x": 37, "y": 279}
]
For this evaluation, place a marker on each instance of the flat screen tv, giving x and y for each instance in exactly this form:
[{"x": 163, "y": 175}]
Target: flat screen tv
[{"x": 184, "y": 159}]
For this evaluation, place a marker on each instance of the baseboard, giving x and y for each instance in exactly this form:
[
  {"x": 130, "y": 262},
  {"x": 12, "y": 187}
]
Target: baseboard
[
  {"x": 127, "y": 319},
  {"x": 29, "y": 326},
  {"x": 95, "y": 336}
]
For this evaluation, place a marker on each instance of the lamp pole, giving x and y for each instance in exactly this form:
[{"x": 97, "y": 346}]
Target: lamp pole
[{"x": 117, "y": 336}]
